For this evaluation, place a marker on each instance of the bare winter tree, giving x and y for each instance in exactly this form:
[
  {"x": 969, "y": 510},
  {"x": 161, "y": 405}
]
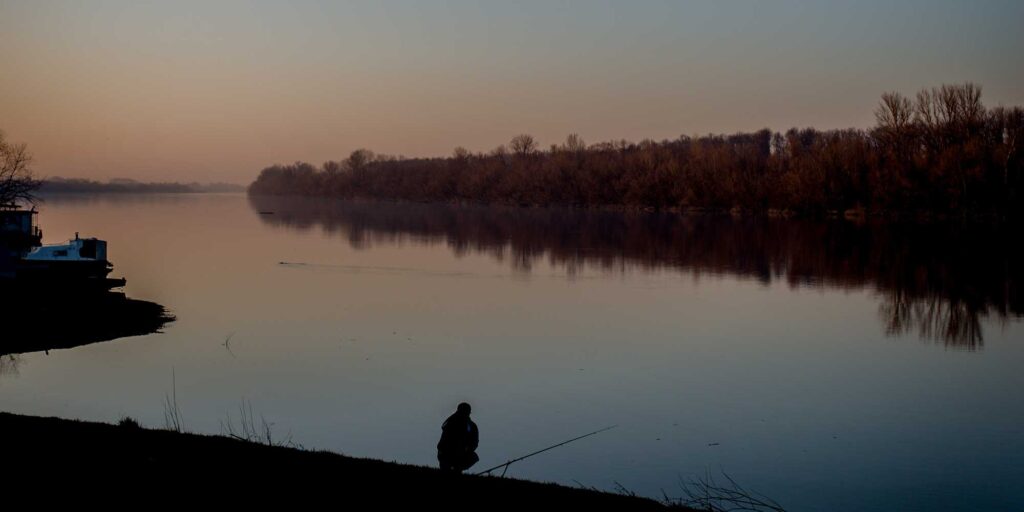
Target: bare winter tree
[
  {"x": 523, "y": 144},
  {"x": 461, "y": 154},
  {"x": 1010, "y": 124},
  {"x": 359, "y": 159},
  {"x": 16, "y": 181},
  {"x": 895, "y": 116},
  {"x": 574, "y": 143}
]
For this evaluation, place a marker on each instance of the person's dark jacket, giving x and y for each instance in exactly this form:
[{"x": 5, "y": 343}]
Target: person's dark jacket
[{"x": 458, "y": 435}]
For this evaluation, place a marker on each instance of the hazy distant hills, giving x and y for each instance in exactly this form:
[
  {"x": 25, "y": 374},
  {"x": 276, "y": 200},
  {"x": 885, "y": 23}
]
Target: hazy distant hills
[{"x": 58, "y": 185}]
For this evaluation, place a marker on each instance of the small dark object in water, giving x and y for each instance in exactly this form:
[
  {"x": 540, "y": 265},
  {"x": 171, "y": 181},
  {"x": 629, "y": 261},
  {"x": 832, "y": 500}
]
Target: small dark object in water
[{"x": 266, "y": 212}]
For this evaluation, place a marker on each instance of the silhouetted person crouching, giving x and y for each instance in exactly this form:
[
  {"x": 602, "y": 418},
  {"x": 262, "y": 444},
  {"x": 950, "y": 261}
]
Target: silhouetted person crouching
[{"x": 456, "y": 451}]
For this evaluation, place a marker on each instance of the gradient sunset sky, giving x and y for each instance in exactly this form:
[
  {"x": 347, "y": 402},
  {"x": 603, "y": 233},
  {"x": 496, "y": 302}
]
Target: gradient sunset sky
[{"x": 217, "y": 90}]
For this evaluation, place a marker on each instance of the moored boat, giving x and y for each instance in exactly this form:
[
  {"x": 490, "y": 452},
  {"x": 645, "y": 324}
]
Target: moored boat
[
  {"x": 79, "y": 263},
  {"x": 81, "y": 258}
]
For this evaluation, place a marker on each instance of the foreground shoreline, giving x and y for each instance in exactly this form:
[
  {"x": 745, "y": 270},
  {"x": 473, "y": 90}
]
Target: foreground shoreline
[{"x": 75, "y": 447}]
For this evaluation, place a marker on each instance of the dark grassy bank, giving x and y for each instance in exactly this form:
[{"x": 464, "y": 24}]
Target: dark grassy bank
[{"x": 78, "y": 449}]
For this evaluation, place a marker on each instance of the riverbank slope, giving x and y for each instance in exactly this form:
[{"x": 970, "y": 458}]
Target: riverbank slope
[{"x": 71, "y": 448}]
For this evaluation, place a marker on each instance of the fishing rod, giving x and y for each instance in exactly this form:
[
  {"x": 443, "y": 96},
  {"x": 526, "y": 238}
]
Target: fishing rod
[{"x": 507, "y": 464}]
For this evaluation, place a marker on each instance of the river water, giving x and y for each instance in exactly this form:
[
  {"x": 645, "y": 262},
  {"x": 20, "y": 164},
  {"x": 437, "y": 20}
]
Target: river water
[{"x": 829, "y": 365}]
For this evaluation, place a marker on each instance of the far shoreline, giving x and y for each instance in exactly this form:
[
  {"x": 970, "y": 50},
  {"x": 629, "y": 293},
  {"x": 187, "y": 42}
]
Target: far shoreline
[{"x": 58, "y": 185}]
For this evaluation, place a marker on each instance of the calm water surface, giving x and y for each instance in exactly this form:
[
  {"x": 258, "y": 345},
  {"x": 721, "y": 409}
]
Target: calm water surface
[{"x": 830, "y": 366}]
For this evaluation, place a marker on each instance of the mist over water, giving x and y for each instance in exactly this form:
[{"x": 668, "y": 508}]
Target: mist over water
[{"x": 829, "y": 365}]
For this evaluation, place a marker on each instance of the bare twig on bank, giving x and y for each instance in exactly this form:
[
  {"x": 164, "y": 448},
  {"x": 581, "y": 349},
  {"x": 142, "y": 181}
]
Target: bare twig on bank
[{"x": 248, "y": 429}]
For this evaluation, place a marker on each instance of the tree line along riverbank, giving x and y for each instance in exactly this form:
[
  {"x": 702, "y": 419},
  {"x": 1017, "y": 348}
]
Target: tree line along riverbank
[{"x": 941, "y": 152}]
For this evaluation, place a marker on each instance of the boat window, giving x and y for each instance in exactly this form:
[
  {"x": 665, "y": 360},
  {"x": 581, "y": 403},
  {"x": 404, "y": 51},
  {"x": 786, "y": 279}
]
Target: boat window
[{"x": 88, "y": 249}]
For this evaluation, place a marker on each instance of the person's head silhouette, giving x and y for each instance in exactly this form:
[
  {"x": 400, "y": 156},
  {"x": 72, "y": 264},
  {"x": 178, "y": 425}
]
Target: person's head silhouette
[{"x": 464, "y": 409}]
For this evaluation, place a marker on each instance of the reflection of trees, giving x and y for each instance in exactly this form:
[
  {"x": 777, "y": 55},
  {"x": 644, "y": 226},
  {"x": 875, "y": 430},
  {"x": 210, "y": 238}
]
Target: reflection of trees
[
  {"x": 937, "y": 279},
  {"x": 956, "y": 323}
]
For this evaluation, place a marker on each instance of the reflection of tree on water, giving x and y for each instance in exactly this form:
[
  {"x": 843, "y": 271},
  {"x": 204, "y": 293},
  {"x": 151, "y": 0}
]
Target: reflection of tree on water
[
  {"x": 937, "y": 279},
  {"x": 956, "y": 323}
]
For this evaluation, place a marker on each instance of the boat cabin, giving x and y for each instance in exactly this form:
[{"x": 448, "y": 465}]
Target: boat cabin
[
  {"x": 17, "y": 232},
  {"x": 18, "y": 236},
  {"x": 79, "y": 249},
  {"x": 19, "y": 221}
]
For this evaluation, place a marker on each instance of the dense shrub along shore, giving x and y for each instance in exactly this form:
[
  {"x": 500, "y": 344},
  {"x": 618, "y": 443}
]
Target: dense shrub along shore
[{"x": 941, "y": 152}]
